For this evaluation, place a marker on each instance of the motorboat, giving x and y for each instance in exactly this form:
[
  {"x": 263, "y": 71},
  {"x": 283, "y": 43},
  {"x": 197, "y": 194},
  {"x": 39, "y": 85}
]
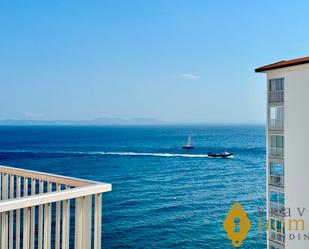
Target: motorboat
[{"x": 224, "y": 154}]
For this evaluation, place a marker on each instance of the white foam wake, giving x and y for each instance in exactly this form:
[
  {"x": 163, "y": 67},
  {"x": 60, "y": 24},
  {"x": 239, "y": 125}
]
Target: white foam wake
[
  {"x": 112, "y": 153},
  {"x": 152, "y": 154}
]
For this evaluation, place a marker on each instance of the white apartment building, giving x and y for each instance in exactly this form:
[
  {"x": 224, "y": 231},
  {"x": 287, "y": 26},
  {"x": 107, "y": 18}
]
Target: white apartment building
[{"x": 288, "y": 153}]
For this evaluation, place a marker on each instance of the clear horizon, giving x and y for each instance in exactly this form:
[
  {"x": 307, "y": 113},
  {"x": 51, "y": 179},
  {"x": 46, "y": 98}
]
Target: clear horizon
[
  {"x": 151, "y": 121},
  {"x": 180, "y": 61}
]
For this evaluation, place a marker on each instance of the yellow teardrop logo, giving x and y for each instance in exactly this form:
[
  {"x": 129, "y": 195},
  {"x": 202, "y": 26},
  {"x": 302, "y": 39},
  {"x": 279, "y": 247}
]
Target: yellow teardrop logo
[{"x": 237, "y": 237}]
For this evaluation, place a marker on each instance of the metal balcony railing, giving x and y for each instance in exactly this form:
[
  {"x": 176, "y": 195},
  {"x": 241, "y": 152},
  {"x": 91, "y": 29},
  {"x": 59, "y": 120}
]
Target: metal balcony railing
[
  {"x": 276, "y": 152},
  {"x": 276, "y": 209},
  {"x": 276, "y": 124},
  {"x": 278, "y": 237},
  {"x": 276, "y": 180},
  {"x": 39, "y": 210},
  {"x": 275, "y": 96}
]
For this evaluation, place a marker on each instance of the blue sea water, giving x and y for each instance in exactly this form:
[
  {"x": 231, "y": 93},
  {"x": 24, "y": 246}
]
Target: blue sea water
[{"x": 163, "y": 196}]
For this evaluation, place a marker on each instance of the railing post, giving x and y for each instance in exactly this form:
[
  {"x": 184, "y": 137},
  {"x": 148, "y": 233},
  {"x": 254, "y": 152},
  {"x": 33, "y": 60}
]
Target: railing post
[
  {"x": 32, "y": 216},
  {"x": 4, "y": 217},
  {"x": 4, "y": 186},
  {"x": 87, "y": 201},
  {"x": 26, "y": 218},
  {"x": 26, "y": 229},
  {"x": 18, "y": 189},
  {"x": 4, "y": 229},
  {"x": 97, "y": 220},
  {"x": 40, "y": 217},
  {"x": 79, "y": 223},
  {"x": 47, "y": 220},
  {"x": 66, "y": 224},
  {"x": 11, "y": 219},
  {"x": 47, "y": 227},
  {"x": 58, "y": 216}
]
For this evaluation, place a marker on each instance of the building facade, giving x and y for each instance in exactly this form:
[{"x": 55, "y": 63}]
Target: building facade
[{"x": 287, "y": 151}]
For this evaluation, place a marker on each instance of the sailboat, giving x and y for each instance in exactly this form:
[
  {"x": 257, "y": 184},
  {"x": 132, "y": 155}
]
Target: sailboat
[{"x": 188, "y": 145}]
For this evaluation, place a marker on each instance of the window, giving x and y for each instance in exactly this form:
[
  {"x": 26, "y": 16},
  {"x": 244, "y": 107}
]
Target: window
[
  {"x": 275, "y": 88},
  {"x": 276, "y": 169},
  {"x": 276, "y": 117},
  {"x": 276, "y": 202},
  {"x": 277, "y": 230},
  {"x": 277, "y": 226},
  {"x": 276, "y": 141},
  {"x": 276, "y": 174},
  {"x": 276, "y": 85},
  {"x": 276, "y": 146}
]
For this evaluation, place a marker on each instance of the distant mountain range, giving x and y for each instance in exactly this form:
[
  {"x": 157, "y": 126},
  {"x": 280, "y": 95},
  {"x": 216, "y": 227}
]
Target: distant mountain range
[{"x": 98, "y": 121}]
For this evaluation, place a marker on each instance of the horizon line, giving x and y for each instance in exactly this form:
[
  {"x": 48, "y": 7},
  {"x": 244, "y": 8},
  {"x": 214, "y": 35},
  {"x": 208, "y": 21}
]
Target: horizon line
[{"x": 89, "y": 123}]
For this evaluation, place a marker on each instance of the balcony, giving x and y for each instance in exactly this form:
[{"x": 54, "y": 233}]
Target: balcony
[
  {"x": 276, "y": 209},
  {"x": 276, "y": 152},
  {"x": 39, "y": 210},
  {"x": 277, "y": 237},
  {"x": 276, "y": 180},
  {"x": 275, "y": 96},
  {"x": 276, "y": 124}
]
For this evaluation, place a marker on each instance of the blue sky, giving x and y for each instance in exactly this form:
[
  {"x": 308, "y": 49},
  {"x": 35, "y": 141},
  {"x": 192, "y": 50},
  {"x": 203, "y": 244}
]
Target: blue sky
[{"x": 170, "y": 60}]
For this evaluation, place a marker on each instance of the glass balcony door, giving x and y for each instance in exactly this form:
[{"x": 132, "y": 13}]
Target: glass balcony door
[
  {"x": 276, "y": 89},
  {"x": 276, "y": 201},
  {"x": 276, "y": 146},
  {"x": 276, "y": 174},
  {"x": 276, "y": 117}
]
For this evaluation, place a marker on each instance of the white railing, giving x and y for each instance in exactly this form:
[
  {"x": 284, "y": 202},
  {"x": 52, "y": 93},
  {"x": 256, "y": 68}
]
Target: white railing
[
  {"x": 276, "y": 96},
  {"x": 277, "y": 236},
  {"x": 276, "y": 124},
  {"x": 276, "y": 180},
  {"x": 276, "y": 152},
  {"x": 44, "y": 211}
]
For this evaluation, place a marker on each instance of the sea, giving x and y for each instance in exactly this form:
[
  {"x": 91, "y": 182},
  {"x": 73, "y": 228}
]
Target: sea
[{"x": 162, "y": 196}]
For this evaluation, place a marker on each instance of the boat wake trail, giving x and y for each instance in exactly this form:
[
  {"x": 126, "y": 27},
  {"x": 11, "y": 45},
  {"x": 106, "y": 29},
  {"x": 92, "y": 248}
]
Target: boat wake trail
[
  {"x": 110, "y": 153},
  {"x": 152, "y": 154}
]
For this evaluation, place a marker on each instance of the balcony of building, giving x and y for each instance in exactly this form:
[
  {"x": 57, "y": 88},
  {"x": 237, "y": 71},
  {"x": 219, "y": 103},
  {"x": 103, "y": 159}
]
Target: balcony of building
[
  {"x": 276, "y": 180},
  {"x": 276, "y": 90},
  {"x": 276, "y": 97},
  {"x": 276, "y": 231},
  {"x": 276, "y": 118},
  {"x": 39, "y": 210},
  {"x": 276, "y": 174},
  {"x": 276, "y": 146},
  {"x": 276, "y": 152}
]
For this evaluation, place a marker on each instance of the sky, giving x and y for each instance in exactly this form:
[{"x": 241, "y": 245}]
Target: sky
[{"x": 178, "y": 61}]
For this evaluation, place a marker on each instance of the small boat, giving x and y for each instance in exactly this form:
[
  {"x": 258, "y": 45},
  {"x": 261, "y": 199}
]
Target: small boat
[
  {"x": 188, "y": 145},
  {"x": 220, "y": 155}
]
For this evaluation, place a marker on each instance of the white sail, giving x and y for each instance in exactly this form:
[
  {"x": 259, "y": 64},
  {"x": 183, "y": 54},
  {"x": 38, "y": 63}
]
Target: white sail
[
  {"x": 189, "y": 141},
  {"x": 188, "y": 145}
]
